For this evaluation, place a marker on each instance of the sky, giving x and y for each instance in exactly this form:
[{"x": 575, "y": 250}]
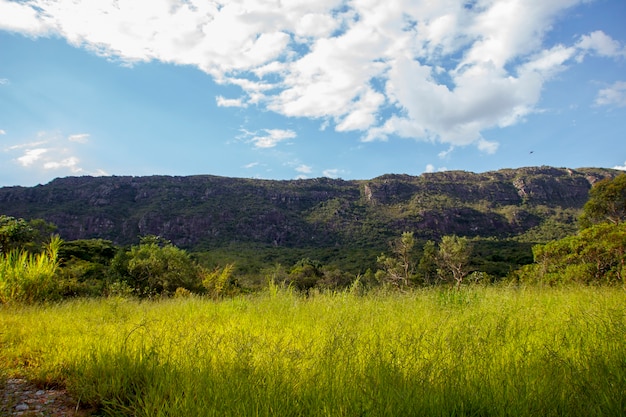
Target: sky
[{"x": 290, "y": 89}]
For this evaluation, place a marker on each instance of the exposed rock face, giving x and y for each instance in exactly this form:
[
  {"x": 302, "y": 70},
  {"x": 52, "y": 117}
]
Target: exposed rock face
[{"x": 210, "y": 210}]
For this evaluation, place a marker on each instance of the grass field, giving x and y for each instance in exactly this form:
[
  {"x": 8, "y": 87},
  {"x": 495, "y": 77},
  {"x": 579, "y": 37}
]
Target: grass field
[{"x": 434, "y": 352}]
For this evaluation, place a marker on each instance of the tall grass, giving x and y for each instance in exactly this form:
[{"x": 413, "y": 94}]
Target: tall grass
[
  {"x": 26, "y": 277},
  {"x": 475, "y": 352}
]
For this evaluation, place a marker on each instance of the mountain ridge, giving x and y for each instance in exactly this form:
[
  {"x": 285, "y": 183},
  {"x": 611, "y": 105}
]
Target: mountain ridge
[{"x": 203, "y": 211}]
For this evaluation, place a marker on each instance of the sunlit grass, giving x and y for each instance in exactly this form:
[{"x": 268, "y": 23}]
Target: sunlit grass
[{"x": 479, "y": 351}]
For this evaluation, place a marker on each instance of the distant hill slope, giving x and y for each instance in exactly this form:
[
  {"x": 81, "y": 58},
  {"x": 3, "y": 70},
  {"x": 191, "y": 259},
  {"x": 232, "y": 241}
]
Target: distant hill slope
[{"x": 208, "y": 211}]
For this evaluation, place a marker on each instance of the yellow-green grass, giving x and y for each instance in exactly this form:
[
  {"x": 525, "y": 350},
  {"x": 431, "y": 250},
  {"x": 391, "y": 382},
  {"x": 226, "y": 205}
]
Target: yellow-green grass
[{"x": 474, "y": 352}]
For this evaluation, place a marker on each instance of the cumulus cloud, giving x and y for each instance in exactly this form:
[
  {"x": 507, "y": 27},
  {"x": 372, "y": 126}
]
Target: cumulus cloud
[
  {"x": 439, "y": 71},
  {"x": 430, "y": 168},
  {"x": 51, "y": 151},
  {"x": 71, "y": 163},
  {"x": 601, "y": 44},
  {"x": 4, "y": 81},
  {"x": 31, "y": 156},
  {"x": 332, "y": 173},
  {"x": 24, "y": 18},
  {"x": 272, "y": 137},
  {"x": 3, "y": 132},
  {"x": 621, "y": 167},
  {"x": 614, "y": 95},
  {"x": 304, "y": 169}
]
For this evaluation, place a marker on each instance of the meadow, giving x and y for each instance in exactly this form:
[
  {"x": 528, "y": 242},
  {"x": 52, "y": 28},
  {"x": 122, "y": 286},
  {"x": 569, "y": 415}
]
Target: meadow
[{"x": 477, "y": 351}]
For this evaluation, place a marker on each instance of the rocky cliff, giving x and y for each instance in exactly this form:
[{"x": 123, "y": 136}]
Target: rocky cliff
[{"x": 207, "y": 210}]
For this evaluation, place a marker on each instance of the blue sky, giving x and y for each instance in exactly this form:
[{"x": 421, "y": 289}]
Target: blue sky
[{"x": 300, "y": 89}]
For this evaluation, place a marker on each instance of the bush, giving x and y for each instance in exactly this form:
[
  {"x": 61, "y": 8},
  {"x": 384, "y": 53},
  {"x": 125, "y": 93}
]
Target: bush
[
  {"x": 156, "y": 268},
  {"x": 596, "y": 255}
]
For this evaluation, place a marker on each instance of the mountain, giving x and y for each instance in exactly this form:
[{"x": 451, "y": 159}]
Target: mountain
[{"x": 208, "y": 211}]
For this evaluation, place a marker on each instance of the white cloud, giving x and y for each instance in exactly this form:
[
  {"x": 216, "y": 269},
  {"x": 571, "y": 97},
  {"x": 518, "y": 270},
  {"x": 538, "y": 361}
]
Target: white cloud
[
  {"x": 272, "y": 137},
  {"x": 80, "y": 137},
  {"x": 331, "y": 173},
  {"x": 4, "y": 81},
  {"x": 615, "y": 95},
  {"x": 430, "y": 168},
  {"x": 487, "y": 146},
  {"x": 621, "y": 167},
  {"x": 31, "y": 156},
  {"x": 18, "y": 17},
  {"x": 304, "y": 169},
  {"x": 52, "y": 151},
  {"x": 602, "y": 44},
  {"x": 251, "y": 165},
  {"x": 446, "y": 153},
  {"x": 71, "y": 163},
  {"x": 439, "y": 71},
  {"x": 229, "y": 102},
  {"x": 3, "y": 132}
]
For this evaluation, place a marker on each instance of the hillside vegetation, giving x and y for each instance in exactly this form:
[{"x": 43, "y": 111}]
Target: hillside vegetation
[
  {"x": 204, "y": 212},
  {"x": 392, "y": 241}
]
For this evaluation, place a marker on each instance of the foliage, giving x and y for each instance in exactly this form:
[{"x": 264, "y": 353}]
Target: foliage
[
  {"x": 305, "y": 274},
  {"x": 14, "y": 233},
  {"x": 156, "y": 268},
  {"x": 218, "y": 282},
  {"x": 596, "y": 255},
  {"x": 499, "y": 257},
  {"x": 84, "y": 267},
  {"x": 502, "y": 351},
  {"x": 28, "y": 278},
  {"x": 607, "y": 202},
  {"x": 453, "y": 259},
  {"x": 91, "y": 250},
  {"x": 398, "y": 269},
  {"x": 427, "y": 267}
]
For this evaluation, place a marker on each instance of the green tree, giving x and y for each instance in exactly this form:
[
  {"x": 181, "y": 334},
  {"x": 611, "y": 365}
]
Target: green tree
[
  {"x": 305, "y": 274},
  {"x": 453, "y": 258},
  {"x": 607, "y": 202},
  {"x": 595, "y": 255},
  {"x": 156, "y": 267},
  {"x": 14, "y": 233},
  {"x": 42, "y": 233},
  {"x": 84, "y": 266},
  {"x": 399, "y": 268}
]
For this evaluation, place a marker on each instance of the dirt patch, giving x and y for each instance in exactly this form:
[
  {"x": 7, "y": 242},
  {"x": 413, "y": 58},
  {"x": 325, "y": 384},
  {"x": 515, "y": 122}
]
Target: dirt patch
[{"x": 22, "y": 398}]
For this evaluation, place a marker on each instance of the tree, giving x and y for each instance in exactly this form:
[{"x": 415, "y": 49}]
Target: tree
[
  {"x": 453, "y": 258},
  {"x": 14, "y": 233},
  {"x": 427, "y": 267},
  {"x": 305, "y": 274},
  {"x": 607, "y": 202},
  {"x": 399, "y": 268},
  {"x": 596, "y": 255},
  {"x": 153, "y": 269}
]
